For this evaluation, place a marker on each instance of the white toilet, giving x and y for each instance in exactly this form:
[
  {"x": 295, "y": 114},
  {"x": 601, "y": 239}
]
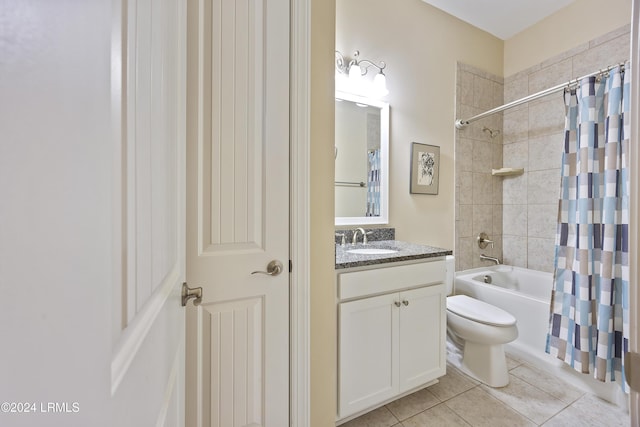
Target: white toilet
[{"x": 480, "y": 330}]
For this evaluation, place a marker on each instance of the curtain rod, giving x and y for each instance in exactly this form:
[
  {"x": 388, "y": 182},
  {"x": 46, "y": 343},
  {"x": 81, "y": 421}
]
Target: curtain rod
[
  {"x": 461, "y": 124},
  {"x": 349, "y": 184}
]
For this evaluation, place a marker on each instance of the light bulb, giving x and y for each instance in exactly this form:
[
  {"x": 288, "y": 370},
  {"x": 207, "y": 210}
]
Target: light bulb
[
  {"x": 380, "y": 84},
  {"x": 342, "y": 82},
  {"x": 355, "y": 73}
]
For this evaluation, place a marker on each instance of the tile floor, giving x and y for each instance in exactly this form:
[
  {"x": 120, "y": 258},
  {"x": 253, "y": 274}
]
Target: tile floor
[{"x": 532, "y": 398}]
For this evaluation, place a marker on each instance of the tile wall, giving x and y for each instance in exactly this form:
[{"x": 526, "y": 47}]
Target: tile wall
[
  {"x": 518, "y": 212},
  {"x": 478, "y": 193}
]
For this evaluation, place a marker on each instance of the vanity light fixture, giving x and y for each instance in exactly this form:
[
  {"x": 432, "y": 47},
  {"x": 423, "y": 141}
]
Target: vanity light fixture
[{"x": 350, "y": 76}]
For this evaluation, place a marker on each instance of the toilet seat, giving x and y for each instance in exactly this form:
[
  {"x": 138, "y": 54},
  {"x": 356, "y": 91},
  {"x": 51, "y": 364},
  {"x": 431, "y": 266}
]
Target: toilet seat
[{"x": 479, "y": 311}]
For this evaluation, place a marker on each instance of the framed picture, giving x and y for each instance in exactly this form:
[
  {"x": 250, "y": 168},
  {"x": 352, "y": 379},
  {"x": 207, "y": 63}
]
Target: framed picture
[{"x": 425, "y": 168}]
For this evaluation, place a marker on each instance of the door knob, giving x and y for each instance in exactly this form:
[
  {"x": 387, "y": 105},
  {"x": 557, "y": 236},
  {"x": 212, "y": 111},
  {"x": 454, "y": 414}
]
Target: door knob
[
  {"x": 273, "y": 269},
  {"x": 188, "y": 293}
]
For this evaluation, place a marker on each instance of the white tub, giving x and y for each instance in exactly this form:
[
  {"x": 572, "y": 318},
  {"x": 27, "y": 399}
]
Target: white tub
[
  {"x": 526, "y": 294},
  {"x": 523, "y": 293}
]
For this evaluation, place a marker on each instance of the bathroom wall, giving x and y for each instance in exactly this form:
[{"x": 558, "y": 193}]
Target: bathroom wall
[
  {"x": 322, "y": 299},
  {"x": 478, "y": 150},
  {"x": 533, "y": 137},
  {"x": 421, "y": 46}
]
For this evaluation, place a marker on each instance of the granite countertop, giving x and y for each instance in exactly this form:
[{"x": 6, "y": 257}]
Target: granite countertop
[{"x": 405, "y": 252}]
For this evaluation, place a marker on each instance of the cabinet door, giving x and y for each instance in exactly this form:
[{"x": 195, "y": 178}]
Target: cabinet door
[
  {"x": 368, "y": 352},
  {"x": 422, "y": 336}
]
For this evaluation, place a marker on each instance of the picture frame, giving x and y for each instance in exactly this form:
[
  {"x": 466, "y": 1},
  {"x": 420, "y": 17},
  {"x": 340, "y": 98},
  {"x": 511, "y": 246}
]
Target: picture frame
[{"x": 425, "y": 168}]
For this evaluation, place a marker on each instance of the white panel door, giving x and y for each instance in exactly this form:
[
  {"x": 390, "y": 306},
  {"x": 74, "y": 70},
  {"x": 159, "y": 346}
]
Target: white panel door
[
  {"x": 148, "y": 361},
  {"x": 422, "y": 336},
  {"x": 368, "y": 352},
  {"x": 238, "y": 212},
  {"x": 92, "y": 138}
]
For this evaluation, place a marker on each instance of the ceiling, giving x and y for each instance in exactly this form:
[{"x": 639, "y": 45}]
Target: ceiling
[{"x": 502, "y": 18}]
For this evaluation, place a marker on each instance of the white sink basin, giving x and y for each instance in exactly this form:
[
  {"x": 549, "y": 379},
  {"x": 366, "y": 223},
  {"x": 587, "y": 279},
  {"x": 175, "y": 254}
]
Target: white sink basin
[{"x": 371, "y": 251}]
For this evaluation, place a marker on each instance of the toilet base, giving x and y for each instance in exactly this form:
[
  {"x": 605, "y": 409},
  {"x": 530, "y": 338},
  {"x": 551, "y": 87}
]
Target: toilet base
[{"x": 486, "y": 363}]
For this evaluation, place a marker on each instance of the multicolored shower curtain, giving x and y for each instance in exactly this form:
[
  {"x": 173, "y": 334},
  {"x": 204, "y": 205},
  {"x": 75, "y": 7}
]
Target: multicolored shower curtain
[
  {"x": 373, "y": 184},
  {"x": 589, "y": 318}
]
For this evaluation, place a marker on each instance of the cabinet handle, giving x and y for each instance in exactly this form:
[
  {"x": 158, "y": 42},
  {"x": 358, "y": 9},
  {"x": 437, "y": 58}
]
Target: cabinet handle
[
  {"x": 397, "y": 303},
  {"x": 405, "y": 302}
]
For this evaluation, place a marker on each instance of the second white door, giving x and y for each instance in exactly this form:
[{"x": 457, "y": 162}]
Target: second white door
[{"x": 238, "y": 213}]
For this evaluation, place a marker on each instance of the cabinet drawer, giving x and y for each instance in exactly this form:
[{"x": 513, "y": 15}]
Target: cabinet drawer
[{"x": 388, "y": 279}]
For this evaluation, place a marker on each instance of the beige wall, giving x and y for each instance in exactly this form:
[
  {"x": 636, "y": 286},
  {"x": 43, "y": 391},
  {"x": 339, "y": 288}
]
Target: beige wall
[
  {"x": 566, "y": 29},
  {"x": 421, "y": 46},
  {"x": 323, "y": 311}
]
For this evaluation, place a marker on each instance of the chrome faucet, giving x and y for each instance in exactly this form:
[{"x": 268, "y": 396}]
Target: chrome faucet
[
  {"x": 484, "y": 241},
  {"x": 355, "y": 236},
  {"x": 484, "y": 257}
]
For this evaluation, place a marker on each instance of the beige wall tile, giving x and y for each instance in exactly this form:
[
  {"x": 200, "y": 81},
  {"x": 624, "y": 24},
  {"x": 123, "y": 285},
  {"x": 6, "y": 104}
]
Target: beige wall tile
[
  {"x": 465, "y": 223},
  {"x": 482, "y": 219},
  {"x": 546, "y": 117},
  {"x": 515, "y": 190},
  {"x": 482, "y": 157},
  {"x": 465, "y": 188},
  {"x": 464, "y": 253},
  {"x": 464, "y": 155},
  {"x": 543, "y": 186},
  {"x": 465, "y": 88},
  {"x": 483, "y": 93},
  {"x": 515, "y": 155},
  {"x": 497, "y": 190},
  {"x": 515, "y": 220},
  {"x": 564, "y": 55},
  {"x": 515, "y": 250},
  {"x": 601, "y": 56},
  {"x": 545, "y": 152},
  {"x": 516, "y": 125},
  {"x": 498, "y": 213},
  {"x": 497, "y": 154},
  {"x": 482, "y": 188},
  {"x": 542, "y": 221},
  {"x": 540, "y": 254},
  {"x": 550, "y": 76}
]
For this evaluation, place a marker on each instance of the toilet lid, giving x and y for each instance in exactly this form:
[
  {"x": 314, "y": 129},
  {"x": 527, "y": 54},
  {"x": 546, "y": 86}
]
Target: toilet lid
[{"x": 479, "y": 311}]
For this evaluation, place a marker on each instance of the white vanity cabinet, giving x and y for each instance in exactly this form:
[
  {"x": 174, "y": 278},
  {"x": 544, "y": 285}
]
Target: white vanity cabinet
[{"x": 391, "y": 332}]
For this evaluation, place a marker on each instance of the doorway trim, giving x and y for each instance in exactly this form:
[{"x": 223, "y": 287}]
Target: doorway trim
[{"x": 300, "y": 139}]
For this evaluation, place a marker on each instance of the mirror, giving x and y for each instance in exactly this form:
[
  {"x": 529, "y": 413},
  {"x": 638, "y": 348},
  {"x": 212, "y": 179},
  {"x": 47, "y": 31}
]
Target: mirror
[{"x": 362, "y": 159}]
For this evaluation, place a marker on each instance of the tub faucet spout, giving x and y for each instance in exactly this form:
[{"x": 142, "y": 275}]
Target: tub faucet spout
[{"x": 484, "y": 257}]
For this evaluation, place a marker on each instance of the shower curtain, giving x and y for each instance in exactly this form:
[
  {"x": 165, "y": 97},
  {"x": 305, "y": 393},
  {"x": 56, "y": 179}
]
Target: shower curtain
[
  {"x": 589, "y": 315},
  {"x": 373, "y": 183}
]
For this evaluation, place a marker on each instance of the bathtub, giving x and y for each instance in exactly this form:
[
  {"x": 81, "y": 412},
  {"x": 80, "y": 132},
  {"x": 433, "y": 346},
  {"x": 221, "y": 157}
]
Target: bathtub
[
  {"x": 523, "y": 293},
  {"x": 526, "y": 294}
]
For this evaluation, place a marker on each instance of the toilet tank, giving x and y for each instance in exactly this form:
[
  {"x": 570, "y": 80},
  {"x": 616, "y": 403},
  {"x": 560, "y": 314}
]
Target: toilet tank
[{"x": 450, "y": 266}]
